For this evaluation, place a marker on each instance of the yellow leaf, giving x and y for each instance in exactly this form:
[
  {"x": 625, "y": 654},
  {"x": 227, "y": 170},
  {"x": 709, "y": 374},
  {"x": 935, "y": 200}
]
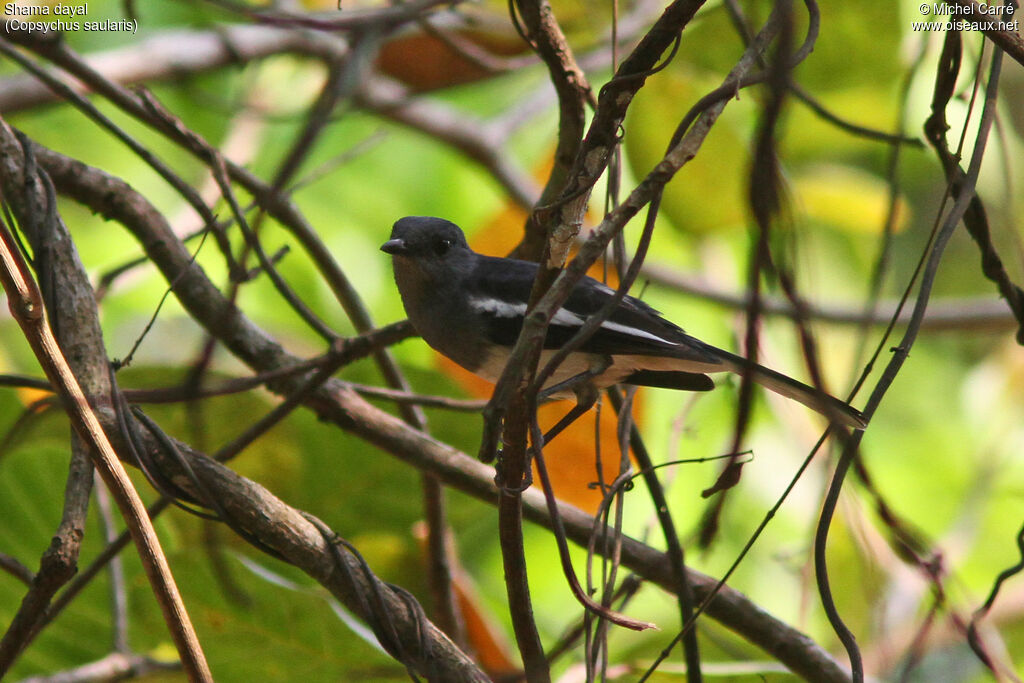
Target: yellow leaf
[
  {"x": 708, "y": 194},
  {"x": 846, "y": 198}
]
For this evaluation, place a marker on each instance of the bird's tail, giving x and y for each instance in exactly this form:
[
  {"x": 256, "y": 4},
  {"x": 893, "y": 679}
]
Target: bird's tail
[{"x": 831, "y": 407}]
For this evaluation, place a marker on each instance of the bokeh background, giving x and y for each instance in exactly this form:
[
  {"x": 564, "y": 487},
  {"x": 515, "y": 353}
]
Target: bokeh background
[{"x": 943, "y": 450}]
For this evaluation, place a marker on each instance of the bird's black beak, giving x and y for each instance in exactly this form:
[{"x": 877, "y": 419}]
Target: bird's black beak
[{"x": 394, "y": 247}]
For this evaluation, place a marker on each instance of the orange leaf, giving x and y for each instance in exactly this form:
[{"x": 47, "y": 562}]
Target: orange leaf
[{"x": 424, "y": 62}]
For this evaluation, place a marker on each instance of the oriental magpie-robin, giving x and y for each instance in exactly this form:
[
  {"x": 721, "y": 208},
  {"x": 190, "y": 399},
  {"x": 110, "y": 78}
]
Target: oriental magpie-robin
[{"x": 471, "y": 307}]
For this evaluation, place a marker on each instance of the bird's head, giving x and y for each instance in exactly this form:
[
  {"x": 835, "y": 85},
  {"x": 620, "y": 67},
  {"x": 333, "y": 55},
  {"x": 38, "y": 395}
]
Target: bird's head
[{"x": 429, "y": 242}]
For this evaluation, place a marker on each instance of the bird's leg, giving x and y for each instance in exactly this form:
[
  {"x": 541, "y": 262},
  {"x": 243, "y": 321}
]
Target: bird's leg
[
  {"x": 585, "y": 391},
  {"x": 574, "y": 383},
  {"x": 586, "y": 397}
]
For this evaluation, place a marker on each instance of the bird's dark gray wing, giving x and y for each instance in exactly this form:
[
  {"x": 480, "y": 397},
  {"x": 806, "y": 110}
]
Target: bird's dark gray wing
[{"x": 498, "y": 287}]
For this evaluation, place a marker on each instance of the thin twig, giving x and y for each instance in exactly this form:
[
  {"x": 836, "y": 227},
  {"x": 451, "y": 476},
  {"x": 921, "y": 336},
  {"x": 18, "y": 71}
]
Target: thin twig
[
  {"x": 965, "y": 194},
  {"x": 15, "y": 568},
  {"x": 563, "y": 547},
  {"x": 350, "y": 20},
  {"x": 172, "y": 55},
  {"x": 739, "y": 21},
  {"x": 511, "y": 475},
  {"x": 978, "y": 314},
  {"x": 1010, "y": 41},
  {"x": 118, "y": 588},
  {"x": 114, "y": 667},
  {"x": 460, "y": 405},
  {"x": 471, "y": 137},
  {"x": 90, "y": 110},
  {"x": 544, "y": 35}
]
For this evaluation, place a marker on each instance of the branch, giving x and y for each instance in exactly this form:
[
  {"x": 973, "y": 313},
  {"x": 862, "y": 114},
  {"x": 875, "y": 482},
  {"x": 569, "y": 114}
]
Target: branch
[
  {"x": 391, "y": 100},
  {"x": 26, "y": 306},
  {"x": 114, "y": 667},
  {"x": 60, "y": 561},
  {"x": 964, "y": 192},
  {"x": 545, "y": 36},
  {"x": 740, "y": 23},
  {"x": 1009, "y": 41},
  {"x": 174, "y": 55},
  {"x": 565, "y": 218},
  {"x": 975, "y": 314},
  {"x": 15, "y": 568},
  {"x": 369, "y": 19},
  {"x": 975, "y": 218},
  {"x": 526, "y": 352}
]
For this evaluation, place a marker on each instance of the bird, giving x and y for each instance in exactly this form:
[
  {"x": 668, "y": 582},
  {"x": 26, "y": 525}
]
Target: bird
[{"x": 470, "y": 307}]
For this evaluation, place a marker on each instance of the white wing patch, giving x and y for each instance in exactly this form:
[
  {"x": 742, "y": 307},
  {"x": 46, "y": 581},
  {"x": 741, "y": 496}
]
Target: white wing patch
[
  {"x": 497, "y": 307},
  {"x": 570, "y": 319},
  {"x": 566, "y": 318},
  {"x": 635, "y": 332}
]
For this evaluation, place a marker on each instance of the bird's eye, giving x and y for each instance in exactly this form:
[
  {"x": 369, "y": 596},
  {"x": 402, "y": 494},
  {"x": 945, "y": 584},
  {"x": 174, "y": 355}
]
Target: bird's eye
[{"x": 441, "y": 247}]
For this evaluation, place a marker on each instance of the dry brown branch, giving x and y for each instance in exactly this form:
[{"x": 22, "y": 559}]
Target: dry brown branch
[
  {"x": 1010, "y": 42},
  {"x": 367, "y": 19},
  {"x": 541, "y": 30},
  {"x": 524, "y": 356},
  {"x": 393, "y": 101},
  {"x": 27, "y": 308},
  {"x": 114, "y": 667},
  {"x": 176, "y": 54},
  {"x": 976, "y": 314},
  {"x": 59, "y": 561},
  {"x": 509, "y": 410},
  {"x": 566, "y": 216},
  {"x": 510, "y": 404}
]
